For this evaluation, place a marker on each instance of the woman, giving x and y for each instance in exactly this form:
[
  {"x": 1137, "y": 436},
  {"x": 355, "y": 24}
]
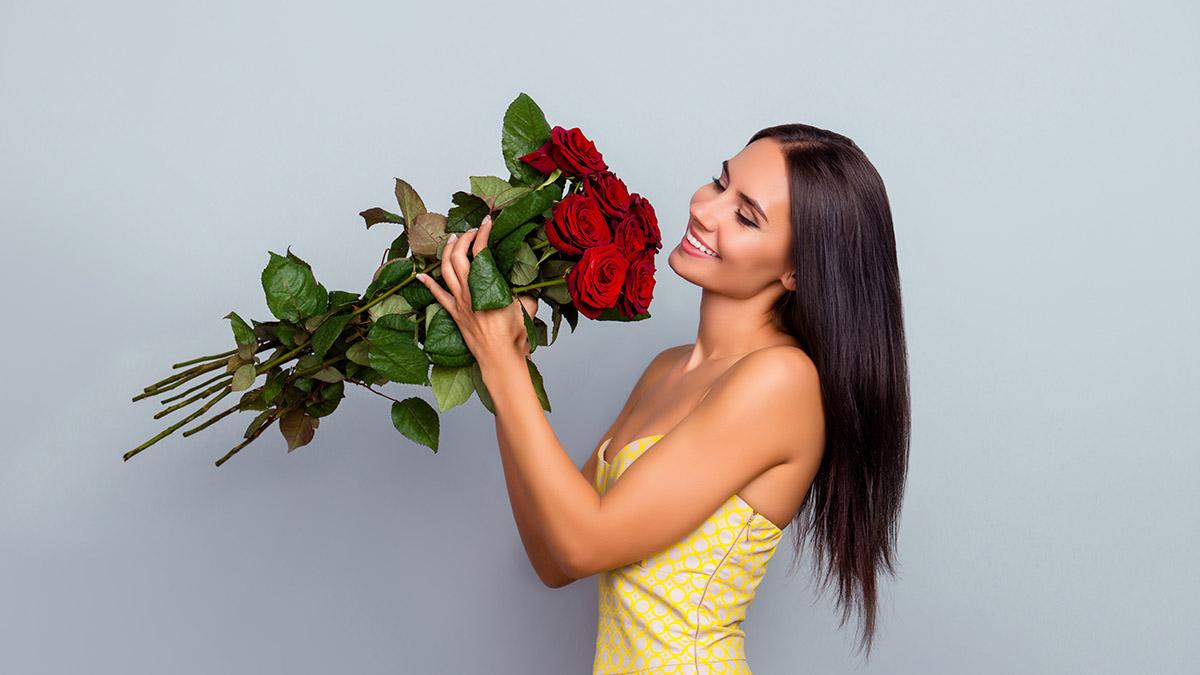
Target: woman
[{"x": 791, "y": 405}]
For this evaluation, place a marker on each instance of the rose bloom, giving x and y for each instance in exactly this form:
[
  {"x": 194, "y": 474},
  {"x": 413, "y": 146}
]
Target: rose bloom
[
  {"x": 609, "y": 192},
  {"x": 569, "y": 150},
  {"x": 576, "y": 223},
  {"x": 596, "y": 281},
  {"x": 639, "y": 285}
]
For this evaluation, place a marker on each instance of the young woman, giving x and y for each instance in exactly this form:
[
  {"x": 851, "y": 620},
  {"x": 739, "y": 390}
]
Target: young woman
[{"x": 791, "y": 405}]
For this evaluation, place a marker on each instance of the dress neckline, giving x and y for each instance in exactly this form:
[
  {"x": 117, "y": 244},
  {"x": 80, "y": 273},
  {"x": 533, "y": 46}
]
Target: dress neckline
[{"x": 604, "y": 446}]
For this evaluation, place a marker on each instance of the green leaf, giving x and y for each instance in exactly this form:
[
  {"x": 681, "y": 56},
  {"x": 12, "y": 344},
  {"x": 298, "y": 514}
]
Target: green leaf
[
  {"x": 557, "y": 293},
  {"x": 393, "y": 351},
  {"x": 481, "y": 390},
  {"x": 505, "y": 253},
  {"x": 451, "y": 385},
  {"x": 274, "y": 385},
  {"x": 523, "y": 210},
  {"x": 543, "y": 330},
  {"x": 538, "y": 385},
  {"x": 556, "y": 319},
  {"x": 530, "y": 329},
  {"x": 328, "y": 398},
  {"x": 339, "y": 299},
  {"x": 377, "y": 215},
  {"x": 410, "y": 202},
  {"x": 358, "y": 353},
  {"x": 243, "y": 377},
  {"x": 327, "y": 332},
  {"x": 246, "y": 352},
  {"x": 399, "y": 248},
  {"x": 389, "y": 274},
  {"x": 328, "y": 374},
  {"x": 489, "y": 290},
  {"x": 292, "y": 291},
  {"x": 468, "y": 211},
  {"x": 524, "y": 267},
  {"x": 496, "y": 192},
  {"x": 417, "y": 420},
  {"x": 257, "y": 422},
  {"x": 556, "y": 269},
  {"x": 444, "y": 343},
  {"x": 252, "y": 400},
  {"x": 243, "y": 334},
  {"x": 392, "y": 304},
  {"x": 525, "y": 130}
]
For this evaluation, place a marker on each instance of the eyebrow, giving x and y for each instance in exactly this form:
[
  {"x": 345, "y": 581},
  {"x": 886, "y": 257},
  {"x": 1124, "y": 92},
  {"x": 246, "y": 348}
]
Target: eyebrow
[{"x": 746, "y": 198}]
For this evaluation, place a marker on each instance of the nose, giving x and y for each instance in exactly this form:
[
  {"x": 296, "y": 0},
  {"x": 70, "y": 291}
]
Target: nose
[{"x": 700, "y": 217}]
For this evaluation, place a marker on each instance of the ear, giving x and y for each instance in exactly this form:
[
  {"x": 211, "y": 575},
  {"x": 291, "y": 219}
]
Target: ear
[{"x": 789, "y": 281}]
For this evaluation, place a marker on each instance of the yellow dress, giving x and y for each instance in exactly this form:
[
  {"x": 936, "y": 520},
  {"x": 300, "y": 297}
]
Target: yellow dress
[{"x": 680, "y": 611}]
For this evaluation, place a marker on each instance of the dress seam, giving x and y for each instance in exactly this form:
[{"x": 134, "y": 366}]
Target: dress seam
[{"x": 700, "y": 606}]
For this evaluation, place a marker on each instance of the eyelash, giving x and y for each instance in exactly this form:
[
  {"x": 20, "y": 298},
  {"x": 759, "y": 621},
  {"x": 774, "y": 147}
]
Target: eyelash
[{"x": 745, "y": 221}]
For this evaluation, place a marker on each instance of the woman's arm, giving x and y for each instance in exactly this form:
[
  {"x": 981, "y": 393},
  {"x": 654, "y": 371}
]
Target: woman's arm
[{"x": 518, "y": 492}]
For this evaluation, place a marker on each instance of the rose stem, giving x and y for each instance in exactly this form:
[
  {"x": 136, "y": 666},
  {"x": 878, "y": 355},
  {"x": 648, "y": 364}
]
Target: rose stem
[
  {"x": 198, "y": 359},
  {"x": 166, "y": 432},
  {"x": 256, "y": 434}
]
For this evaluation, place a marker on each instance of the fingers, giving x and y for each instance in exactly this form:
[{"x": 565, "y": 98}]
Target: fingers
[
  {"x": 485, "y": 231},
  {"x": 447, "y": 265},
  {"x": 462, "y": 266},
  {"x": 439, "y": 294},
  {"x": 456, "y": 267}
]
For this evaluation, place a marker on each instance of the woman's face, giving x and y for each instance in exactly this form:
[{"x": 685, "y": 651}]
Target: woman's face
[{"x": 753, "y": 248}]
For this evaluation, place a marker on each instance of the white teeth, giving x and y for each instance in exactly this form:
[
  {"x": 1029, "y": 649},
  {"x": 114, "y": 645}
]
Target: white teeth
[{"x": 697, "y": 244}]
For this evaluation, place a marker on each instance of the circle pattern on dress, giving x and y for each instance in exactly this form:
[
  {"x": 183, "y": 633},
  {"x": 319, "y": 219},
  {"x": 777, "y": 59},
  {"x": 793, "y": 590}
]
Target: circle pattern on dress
[{"x": 680, "y": 611}]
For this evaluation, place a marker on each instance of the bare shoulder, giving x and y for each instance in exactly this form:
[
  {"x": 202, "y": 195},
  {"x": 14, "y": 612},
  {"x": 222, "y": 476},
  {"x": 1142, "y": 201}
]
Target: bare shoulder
[
  {"x": 782, "y": 368},
  {"x": 783, "y": 384}
]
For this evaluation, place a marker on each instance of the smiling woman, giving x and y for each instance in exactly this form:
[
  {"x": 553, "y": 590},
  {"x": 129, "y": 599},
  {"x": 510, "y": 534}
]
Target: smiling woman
[{"x": 791, "y": 405}]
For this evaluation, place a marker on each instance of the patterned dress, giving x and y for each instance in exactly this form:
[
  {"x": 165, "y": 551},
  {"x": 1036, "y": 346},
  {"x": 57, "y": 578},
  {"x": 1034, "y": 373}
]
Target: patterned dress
[{"x": 680, "y": 611}]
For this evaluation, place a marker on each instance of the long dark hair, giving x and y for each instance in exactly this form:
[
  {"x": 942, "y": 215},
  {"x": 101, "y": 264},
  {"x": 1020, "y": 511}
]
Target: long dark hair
[{"x": 846, "y": 315}]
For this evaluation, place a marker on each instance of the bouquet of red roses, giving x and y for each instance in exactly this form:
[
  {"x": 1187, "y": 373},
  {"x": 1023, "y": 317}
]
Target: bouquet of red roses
[{"x": 587, "y": 251}]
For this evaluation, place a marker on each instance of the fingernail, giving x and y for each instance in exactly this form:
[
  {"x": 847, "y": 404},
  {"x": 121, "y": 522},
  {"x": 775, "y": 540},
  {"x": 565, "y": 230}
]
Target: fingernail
[{"x": 452, "y": 237}]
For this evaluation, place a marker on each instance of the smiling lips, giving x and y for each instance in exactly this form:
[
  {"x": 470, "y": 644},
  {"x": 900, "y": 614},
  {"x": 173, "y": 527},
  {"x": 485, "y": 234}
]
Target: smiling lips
[{"x": 692, "y": 238}]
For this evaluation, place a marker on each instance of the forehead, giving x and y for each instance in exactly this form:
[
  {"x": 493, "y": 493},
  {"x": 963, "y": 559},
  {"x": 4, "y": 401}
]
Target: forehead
[{"x": 761, "y": 172}]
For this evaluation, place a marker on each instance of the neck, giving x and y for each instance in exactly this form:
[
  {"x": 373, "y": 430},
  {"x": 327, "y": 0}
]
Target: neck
[{"x": 731, "y": 327}]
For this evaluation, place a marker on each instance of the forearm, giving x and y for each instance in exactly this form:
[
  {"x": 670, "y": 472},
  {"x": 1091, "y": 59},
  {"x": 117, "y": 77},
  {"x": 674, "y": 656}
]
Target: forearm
[
  {"x": 562, "y": 502},
  {"x": 530, "y": 530}
]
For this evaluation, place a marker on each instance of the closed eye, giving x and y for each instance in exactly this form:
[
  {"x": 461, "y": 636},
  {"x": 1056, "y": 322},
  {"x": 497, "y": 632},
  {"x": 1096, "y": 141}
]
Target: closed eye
[{"x": 721, "y": 188}]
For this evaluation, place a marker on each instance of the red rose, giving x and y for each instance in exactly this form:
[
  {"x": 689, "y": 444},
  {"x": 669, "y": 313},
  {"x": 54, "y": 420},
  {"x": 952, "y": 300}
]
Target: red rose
[
  {"x": 576, "y": 223},
  {"x": 609, "y": 191},
  {"x": 639, "y": 285},
  {"x": 629, "y": 236},
  {"x": 645, "y": 218},
  {"x": 596, "y": 281},
  {"x": 569, "y": 150},
  {"x": 541, "y": 159}
]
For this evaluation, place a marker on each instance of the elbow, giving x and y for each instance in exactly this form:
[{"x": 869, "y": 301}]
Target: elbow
[
  {"x": 559, "y": 577},
  {"x": 558, "y": 581},
  {"x": 577, "y": 565}
]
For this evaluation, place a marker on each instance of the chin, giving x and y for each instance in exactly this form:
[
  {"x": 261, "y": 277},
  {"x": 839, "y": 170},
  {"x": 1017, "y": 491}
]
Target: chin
[{"x": 676, "y": 255}]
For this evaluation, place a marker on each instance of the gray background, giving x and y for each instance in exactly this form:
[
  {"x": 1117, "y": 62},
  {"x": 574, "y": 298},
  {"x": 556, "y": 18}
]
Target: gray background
[{"x": 1038, "y": 159}]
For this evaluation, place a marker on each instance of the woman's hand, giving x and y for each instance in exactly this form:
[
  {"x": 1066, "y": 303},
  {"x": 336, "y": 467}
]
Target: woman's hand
[{"x": 492, "y": 335}]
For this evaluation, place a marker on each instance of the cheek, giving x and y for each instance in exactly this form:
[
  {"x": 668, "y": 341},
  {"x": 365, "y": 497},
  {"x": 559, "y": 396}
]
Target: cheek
[{"x": 753, "y": 257}]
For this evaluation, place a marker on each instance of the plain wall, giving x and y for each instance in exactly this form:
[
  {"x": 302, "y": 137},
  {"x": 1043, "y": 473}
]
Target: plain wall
[{"x": 1039, "y": 161}]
